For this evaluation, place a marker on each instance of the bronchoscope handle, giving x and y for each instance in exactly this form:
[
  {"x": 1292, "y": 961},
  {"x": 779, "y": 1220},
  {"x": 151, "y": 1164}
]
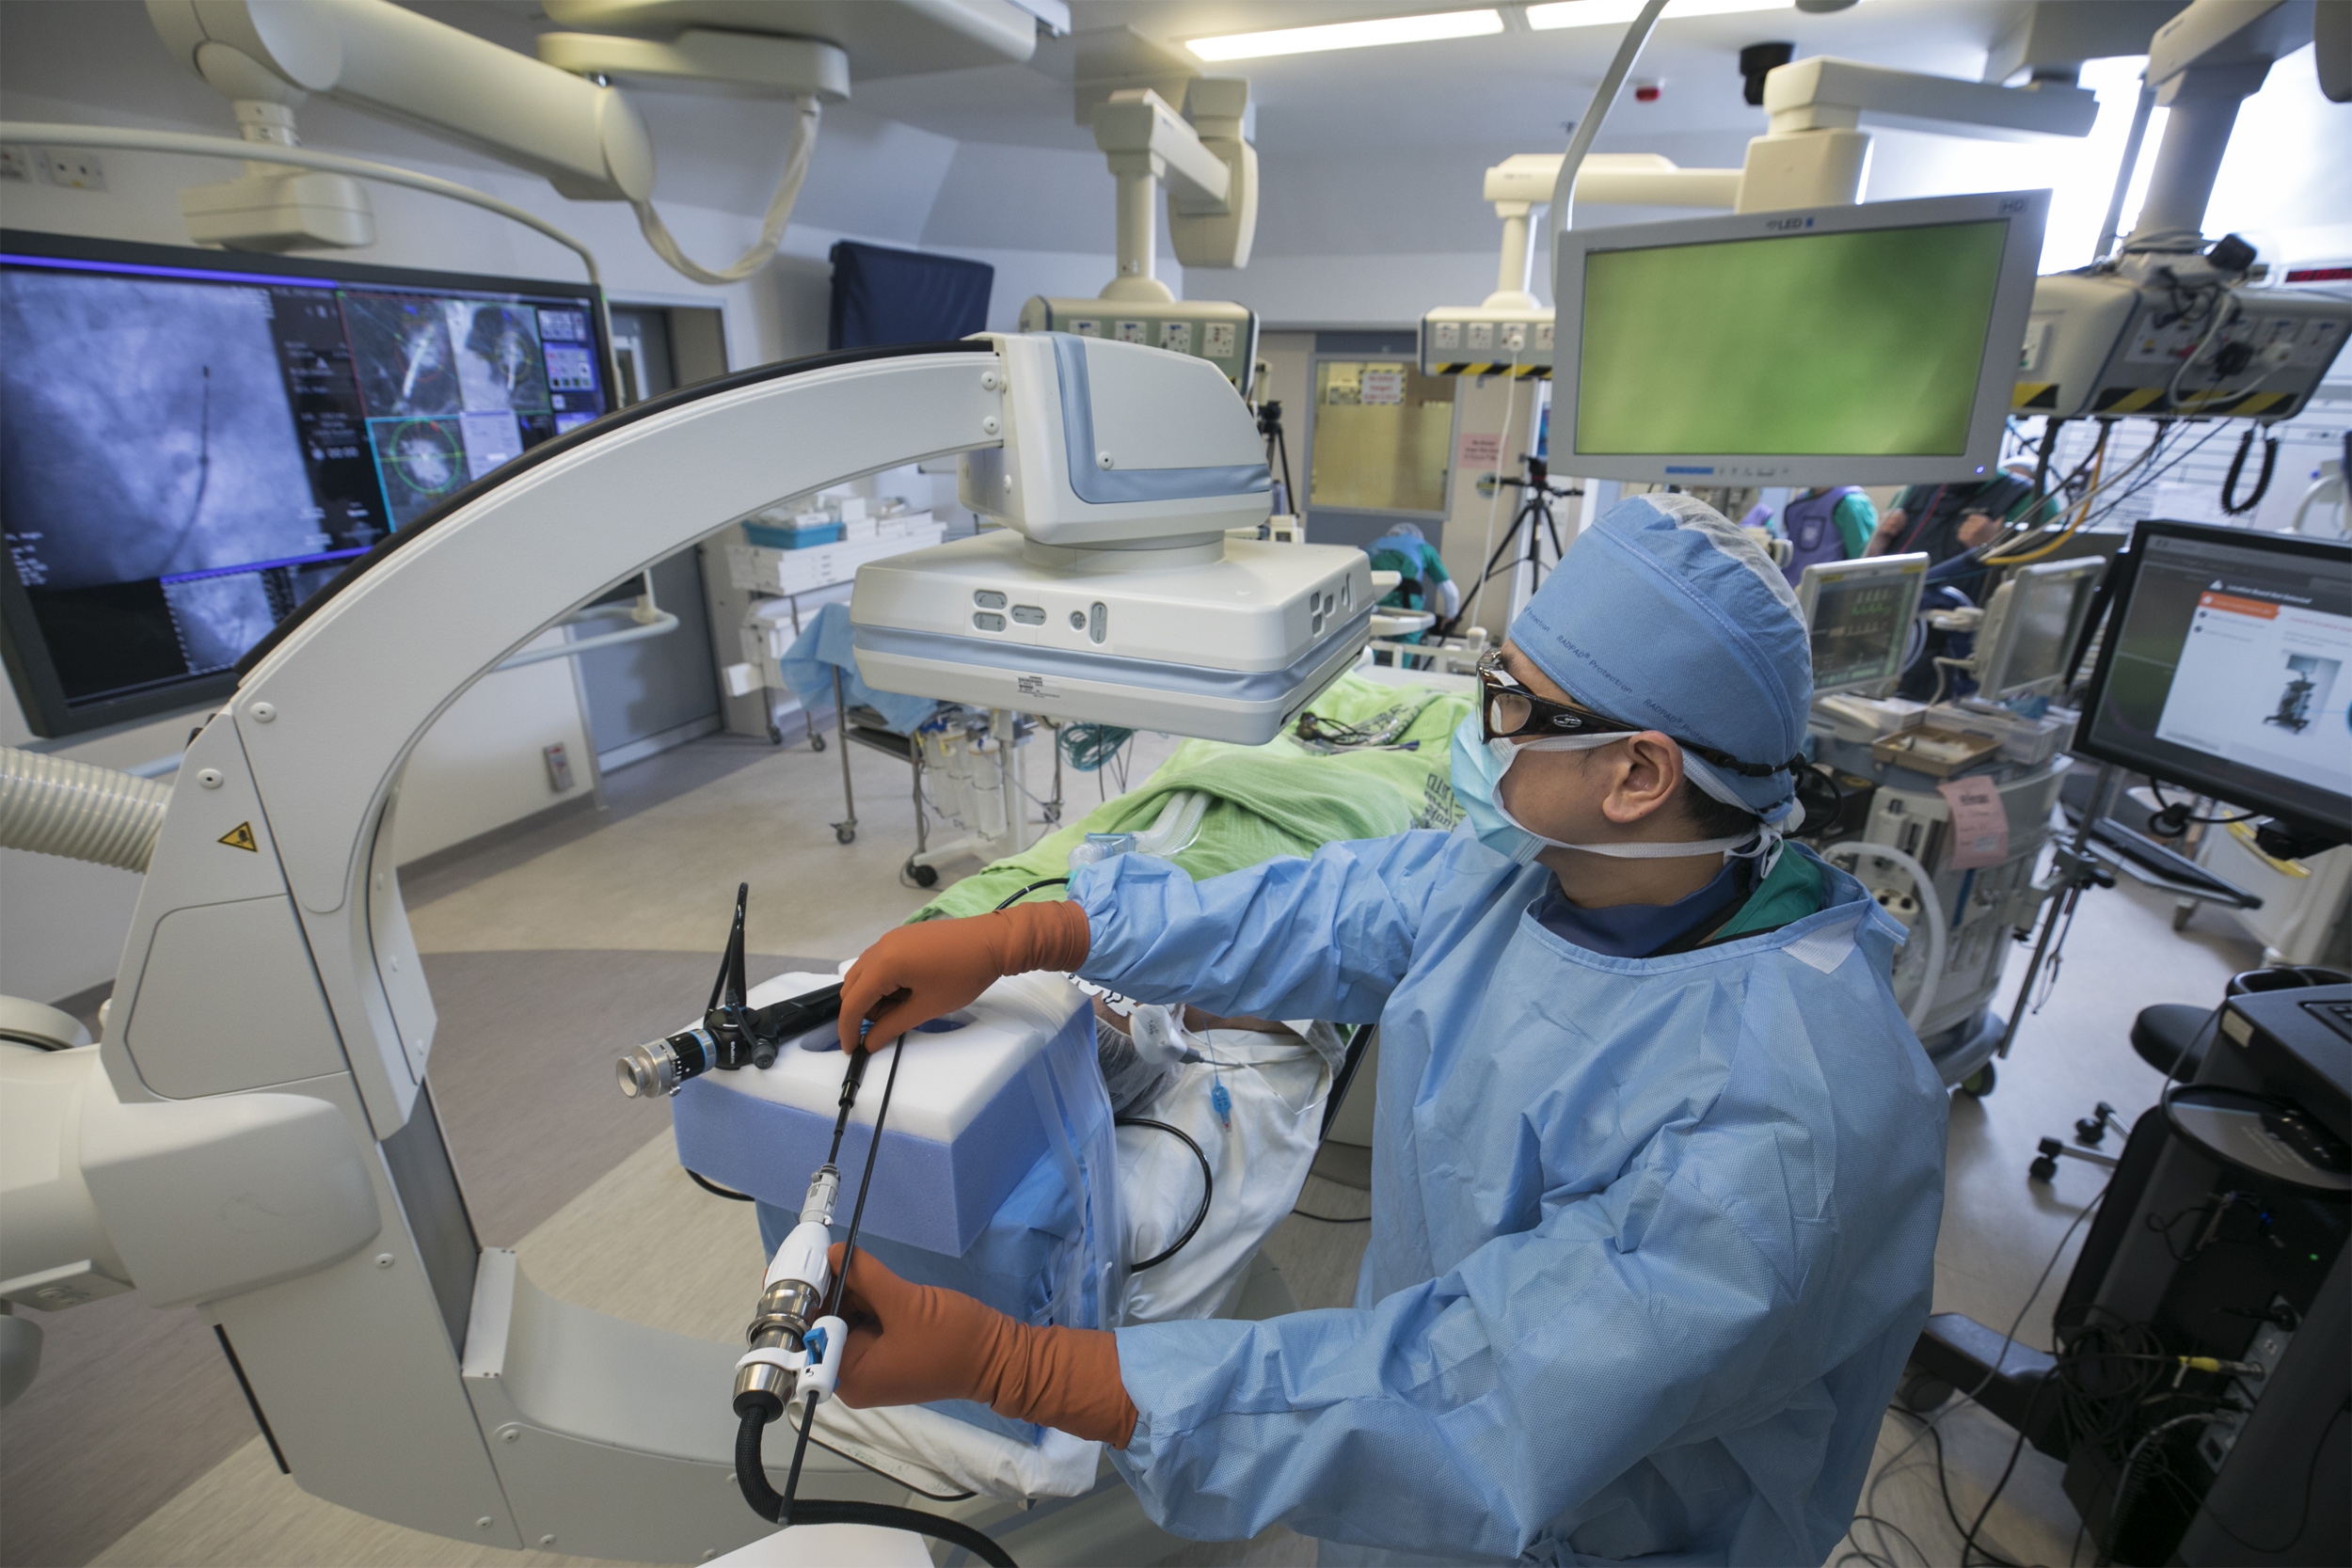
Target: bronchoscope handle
[{"x": 797, "y": 1015}]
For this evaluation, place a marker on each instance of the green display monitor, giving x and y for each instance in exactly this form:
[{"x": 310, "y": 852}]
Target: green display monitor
[{"x": 1849, "y": 345}]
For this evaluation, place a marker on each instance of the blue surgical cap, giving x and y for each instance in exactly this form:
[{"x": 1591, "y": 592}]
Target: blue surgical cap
[{"x": 1665, "y": 615}]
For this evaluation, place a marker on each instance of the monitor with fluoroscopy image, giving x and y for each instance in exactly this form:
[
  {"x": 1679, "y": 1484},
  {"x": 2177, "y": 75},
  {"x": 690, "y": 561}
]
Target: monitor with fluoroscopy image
[
  {"x": 1860, "y": 614},
  {"x": 1870, "y": 344},
  {"x": 2030, "y": 627},
  {"x": 2221, "y": 669},
  {"x": 192, "y": 442}
]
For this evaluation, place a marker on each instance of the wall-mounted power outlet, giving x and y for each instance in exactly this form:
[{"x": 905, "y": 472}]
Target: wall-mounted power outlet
[
  {"x": 74, "y": 168},
  {"x": 16, "y": 164}
]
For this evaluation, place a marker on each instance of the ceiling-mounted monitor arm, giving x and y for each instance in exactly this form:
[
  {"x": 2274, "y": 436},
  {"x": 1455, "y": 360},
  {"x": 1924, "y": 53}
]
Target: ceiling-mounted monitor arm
[
  {"x": 2202, "y": 65},
  {"x": 1525, "y": 181},
  {"x": 1816, "y": 153},
  {"x": 584, "y": 138},
  {"x": 1212, "y": 174}
]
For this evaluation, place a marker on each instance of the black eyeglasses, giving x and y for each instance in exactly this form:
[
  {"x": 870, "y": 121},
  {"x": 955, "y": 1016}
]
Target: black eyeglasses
[{"x": 1507, "y": 710}]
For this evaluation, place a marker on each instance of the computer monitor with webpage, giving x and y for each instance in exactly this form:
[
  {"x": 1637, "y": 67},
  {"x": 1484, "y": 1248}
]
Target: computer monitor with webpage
[{"x": 2223, "y": 670}]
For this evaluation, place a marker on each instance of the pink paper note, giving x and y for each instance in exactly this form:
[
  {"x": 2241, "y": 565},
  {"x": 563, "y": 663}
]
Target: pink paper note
[{"x": 1979, "y": 825}]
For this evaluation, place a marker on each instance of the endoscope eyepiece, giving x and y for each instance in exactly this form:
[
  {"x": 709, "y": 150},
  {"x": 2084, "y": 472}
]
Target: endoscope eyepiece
[{"x": 662, "y": 1067}]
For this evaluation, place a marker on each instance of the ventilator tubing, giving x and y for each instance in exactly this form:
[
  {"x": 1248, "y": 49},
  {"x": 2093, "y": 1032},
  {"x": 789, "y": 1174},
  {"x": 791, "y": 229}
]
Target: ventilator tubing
[{"x": 55, "y": 806}]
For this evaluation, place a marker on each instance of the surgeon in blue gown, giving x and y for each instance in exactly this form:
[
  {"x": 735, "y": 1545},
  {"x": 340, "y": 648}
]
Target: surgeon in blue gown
[{"x": 1657, "y": 1167}]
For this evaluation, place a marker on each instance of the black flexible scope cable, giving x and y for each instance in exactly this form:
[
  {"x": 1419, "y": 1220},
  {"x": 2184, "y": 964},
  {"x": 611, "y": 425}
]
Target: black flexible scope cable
[
  {"x": 769, "y": 1506},
  {"x": 852, "y": 1075},
  {"x": 1208, "y": 1189},
  {"x": 840, "y": 1288},
  {"x": 751, "y": 1474},
  {"x": 1015, "y": 899},
  {"x": 717, "y": 1191}
]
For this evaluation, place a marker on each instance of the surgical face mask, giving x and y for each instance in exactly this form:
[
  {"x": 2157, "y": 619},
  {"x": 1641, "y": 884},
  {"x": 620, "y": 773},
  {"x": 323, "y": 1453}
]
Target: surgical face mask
[{"x": 1478, "y": 767}]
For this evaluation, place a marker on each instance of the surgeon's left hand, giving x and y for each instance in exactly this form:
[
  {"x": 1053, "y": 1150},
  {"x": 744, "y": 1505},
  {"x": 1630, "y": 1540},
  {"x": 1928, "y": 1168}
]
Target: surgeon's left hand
[{"x": 913, "y": 1344}]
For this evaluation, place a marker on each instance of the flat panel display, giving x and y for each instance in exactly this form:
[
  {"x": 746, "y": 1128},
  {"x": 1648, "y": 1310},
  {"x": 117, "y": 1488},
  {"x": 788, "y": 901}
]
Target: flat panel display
[
  {"x": 2041, "y": 613},
  {"x": 1847, "y": 345},
  {"x": 192, "y": 443},
  {"x": 2224, "y": 670}
]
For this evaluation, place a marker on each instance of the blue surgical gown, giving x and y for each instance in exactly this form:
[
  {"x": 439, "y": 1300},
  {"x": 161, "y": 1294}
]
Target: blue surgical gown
[{"x": 1651, "y": 1238}]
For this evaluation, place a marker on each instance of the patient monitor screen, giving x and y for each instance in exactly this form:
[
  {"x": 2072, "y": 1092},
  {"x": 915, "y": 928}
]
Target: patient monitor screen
[
  {"x": 1864, "y": 342},
  {"x": 2043, "y": 611},
  {"x": 189, "y": 452},
  {"x": 1860, "y": 625},
  {"x": 2228, "y": 671}
]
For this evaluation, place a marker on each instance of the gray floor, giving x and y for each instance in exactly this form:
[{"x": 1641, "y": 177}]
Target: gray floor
[{"x": 551, "y": 946}]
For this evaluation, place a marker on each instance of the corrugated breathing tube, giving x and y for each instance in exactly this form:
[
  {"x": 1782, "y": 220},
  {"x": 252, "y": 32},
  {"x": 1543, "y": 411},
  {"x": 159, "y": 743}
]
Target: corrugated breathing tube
[{"x": 55, "y": 806}]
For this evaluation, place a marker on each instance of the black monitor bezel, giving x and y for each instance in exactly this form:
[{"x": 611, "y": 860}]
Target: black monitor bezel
[
  {"x": 31, "y": 671},
  {"x": 2125, "y": 576}
]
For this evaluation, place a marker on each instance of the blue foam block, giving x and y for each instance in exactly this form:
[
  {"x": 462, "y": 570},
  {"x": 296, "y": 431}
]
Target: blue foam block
[{"x": 965, "y": 1126}]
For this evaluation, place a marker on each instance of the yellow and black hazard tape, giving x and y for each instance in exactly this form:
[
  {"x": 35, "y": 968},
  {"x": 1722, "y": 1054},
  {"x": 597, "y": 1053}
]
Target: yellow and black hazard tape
[
  {"x": 1490, "y": 367},
  {"x": 2150, "y": 400},
  {"x": 2043, "y": 397}
]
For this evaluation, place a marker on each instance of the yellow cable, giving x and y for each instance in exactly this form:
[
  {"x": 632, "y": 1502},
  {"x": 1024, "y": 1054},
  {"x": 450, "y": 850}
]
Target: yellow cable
[
  {"x": 2082, "y": 508},
  {"x": 2098, "y": 466}
]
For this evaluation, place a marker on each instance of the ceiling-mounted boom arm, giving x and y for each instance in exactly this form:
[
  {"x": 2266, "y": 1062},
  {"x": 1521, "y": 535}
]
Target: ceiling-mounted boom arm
[
  {"x": 1818, "y": 153},
  {"x": 1525, "y": 181},
  {"x": 585, "y": 138},
  {"x": 2203, "y": 64},
  {"x": 1212, "y": 174}
]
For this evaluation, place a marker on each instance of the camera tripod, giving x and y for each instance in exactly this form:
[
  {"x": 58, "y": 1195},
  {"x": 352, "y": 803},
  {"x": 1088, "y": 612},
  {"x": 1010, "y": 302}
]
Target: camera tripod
[
  {"x": 1278, "y": 455},
  {"x": 1534, "y": 510}
]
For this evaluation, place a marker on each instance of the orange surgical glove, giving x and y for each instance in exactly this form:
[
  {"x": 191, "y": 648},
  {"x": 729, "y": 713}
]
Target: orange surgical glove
[
  {"x": 913, "y": 1344},
  {"x": 917, "y": 972}
]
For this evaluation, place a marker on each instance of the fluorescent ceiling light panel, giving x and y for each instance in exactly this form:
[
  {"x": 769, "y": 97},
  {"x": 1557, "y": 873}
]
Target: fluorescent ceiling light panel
[
  {"x": 1348, "y": 35},
  {"x": 1606, "y": 13}
]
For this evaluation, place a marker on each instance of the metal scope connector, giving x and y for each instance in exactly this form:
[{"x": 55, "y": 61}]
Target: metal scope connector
[
  {"x": 789, "y": 1307},
  {"x": 660, "y": 1067}
]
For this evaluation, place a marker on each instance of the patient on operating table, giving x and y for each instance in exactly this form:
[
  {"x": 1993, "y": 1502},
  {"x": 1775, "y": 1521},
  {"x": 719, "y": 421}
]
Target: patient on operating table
[{"x": 1135, "y": 1079}]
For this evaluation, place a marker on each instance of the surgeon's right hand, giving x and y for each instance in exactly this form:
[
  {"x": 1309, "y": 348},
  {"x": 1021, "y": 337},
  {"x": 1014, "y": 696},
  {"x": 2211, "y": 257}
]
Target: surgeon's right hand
[
  {"x": 917, "y": 1344},
  {"x": 919, "y": 972}
]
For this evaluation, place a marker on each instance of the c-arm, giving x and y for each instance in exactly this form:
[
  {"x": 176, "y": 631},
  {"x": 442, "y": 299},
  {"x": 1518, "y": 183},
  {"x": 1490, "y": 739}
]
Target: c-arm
[{"x": 254, "y": 1136}]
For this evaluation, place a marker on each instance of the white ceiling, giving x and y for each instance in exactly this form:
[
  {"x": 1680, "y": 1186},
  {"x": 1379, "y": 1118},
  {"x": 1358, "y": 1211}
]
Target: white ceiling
[
  {"x": 1362, "y": 152},
  {"x": 1516, "y": 88}
]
